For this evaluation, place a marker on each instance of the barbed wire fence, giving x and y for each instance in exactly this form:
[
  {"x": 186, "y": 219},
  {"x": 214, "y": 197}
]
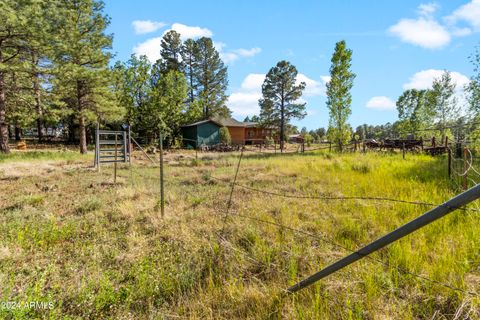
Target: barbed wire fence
[{"x": 460, "y": 167}]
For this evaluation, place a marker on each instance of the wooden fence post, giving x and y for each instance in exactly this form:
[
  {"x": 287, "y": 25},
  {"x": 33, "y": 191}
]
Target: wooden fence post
[
  {"x": 449, "y": 170},
  {"x": 403, "y": 150},
  {"x": 162, "y": 200},
  {"x": 129, "y": 144},
  {"x": 115, "y": 163},
  {"x": 97, "y": 147},
  {"x": 465, "y": 168}
]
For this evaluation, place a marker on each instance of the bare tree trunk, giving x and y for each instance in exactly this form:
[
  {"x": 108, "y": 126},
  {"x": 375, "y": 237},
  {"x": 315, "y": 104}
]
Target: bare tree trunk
[
  {"x": 82, "y": 133},
  {"x": 81, "y": 119},
  {"x": 38, "y": 95},
  {"x": 18, "y": 133},
  {"x": 282, "y": 126},
  {"x": 4, "y": 148},
  {"x": 38, "y": 108}
]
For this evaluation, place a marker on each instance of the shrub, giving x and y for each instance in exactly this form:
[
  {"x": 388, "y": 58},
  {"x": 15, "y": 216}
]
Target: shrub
[{"x": 225, "y": 136}]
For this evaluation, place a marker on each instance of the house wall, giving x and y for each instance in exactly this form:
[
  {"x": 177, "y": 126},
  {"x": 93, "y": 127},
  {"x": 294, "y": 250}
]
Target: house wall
[
  {"x": 256, "y": 135},
  {"x": 189, "y": 134},
  {"x": 237, "y": 134},
  {"x": 208, "y": 134}
]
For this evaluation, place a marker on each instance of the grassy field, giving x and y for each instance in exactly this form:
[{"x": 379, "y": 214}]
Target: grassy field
[{"x": 98, "y": 250}]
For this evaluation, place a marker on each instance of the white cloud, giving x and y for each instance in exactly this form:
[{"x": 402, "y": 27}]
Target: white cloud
[
  {"x": 427, "y": 9},
  {"x": 423, "y": 32},
  {"x": 146, "y": 26},
  {"x": 424, "y": 79},
  {"x": 189, "y": 32},
  {"x": 381, "y": 103},
  {"x": 326, "y": 79},
  {"x": 253, "y": 82},
  {"x": 244, "y": 101},
  {"x": 469, "y": 13},
  {"x": 427, "y": 32},
  {"x": 233, "y": 55},
  {"x": 248, "y": 52},
  {"x": 150, "y": 48},
  {"x": 313, "y": 87}
]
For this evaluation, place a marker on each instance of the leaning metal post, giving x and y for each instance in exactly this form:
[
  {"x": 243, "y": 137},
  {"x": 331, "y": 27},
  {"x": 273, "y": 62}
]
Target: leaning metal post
[{"x": 458, "y": 201}]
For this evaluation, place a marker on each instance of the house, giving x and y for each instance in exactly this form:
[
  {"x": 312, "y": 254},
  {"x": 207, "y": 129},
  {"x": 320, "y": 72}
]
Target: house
[
  {"x": 255, "y": 134},
  {"x": 206, "y": 132},
  {"x": 296, "y": 138}
]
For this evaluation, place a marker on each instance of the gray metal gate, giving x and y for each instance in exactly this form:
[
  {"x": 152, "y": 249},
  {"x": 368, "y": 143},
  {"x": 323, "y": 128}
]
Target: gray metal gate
[{"x": 111, "y": 147}]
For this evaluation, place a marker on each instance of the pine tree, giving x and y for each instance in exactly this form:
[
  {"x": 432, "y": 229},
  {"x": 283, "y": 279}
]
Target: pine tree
[
  {"x": 190, "y": 55},
  {"x": 83, "y": 77},
  {"x": 280, "y": 95},
  {"x": 339, "y": 97},
  {"x": 171, "y": 48},
  {"x": 15, "y": 34},
  {"x": 212, "y": 80}
]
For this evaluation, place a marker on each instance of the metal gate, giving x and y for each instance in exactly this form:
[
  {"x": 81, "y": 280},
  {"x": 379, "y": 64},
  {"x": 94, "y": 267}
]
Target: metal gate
[{"x": 111, "y": 147}]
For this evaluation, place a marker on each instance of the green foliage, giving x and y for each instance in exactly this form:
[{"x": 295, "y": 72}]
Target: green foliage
[
  {"x": 473, "y": 88},
  {"x": 280, "y": 93},
  {"x": 308, "y": 138},
  {"x": 339, "y": 98},
  {"x": 211, "y": 79},
  {"x": 414, "y": 111},
  {"x": 134, "y": 263},
  {"x": 443, "y": 101},
  {"x": 171, "y": 47},
  {"x": 167, "y": 103},
  {"x": 225, "y": 135},
  {"x": 83, "y": 78}
]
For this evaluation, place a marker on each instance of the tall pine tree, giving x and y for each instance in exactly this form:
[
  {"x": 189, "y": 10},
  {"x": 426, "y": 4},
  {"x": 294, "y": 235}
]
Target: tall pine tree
[
  {"x": 212, "y": 80},
  {"x": 83, "y": 76},
  {"x": 171, "y": 47},
  {"x": 280, "y": 95}
]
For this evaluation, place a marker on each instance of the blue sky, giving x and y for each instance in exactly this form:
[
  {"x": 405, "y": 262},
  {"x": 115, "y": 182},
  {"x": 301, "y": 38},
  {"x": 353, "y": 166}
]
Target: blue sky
[{"x": 396, "y": 45}]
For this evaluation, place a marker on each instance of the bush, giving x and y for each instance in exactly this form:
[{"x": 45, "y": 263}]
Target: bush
[
  {"x": 308, "y": 139},
  {"x": 225, "y": 136}
]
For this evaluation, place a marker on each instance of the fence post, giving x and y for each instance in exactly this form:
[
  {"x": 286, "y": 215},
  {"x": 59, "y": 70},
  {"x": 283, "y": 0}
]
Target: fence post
[
  {"x": 129, "y": 145},
  {"x": 364, "y": 150},
  {"x": 162, "y": 200},
  {"x": 403, "y": 150},
  {"x": 124, "y": 136},
  {"x": 465, "y": 168},
  {"x": 115, "y": 163},
  {"x": 449, "y": 151},
  {"x": 330, "y": 146},
  {"x": 436, "y": 213},
  {"x": 97, "y": 147}
]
